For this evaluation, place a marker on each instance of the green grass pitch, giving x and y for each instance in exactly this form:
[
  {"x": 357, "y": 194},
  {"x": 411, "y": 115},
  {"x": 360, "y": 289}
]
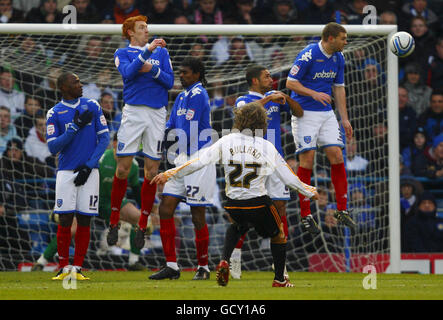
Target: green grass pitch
[{"x": 120, "y": 285}]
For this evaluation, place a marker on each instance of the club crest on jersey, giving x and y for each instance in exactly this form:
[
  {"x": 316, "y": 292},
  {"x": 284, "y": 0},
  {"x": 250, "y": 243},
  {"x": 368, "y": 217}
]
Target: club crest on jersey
[
  {"x": 190, "y": 114},
  {"x": 59, "y": 202},
  {"x": 120, "y": 146},
  {"x": 294, "y": 70},
  {"x": 50, "y": 129},
  {"x": 307, "y": 139}
]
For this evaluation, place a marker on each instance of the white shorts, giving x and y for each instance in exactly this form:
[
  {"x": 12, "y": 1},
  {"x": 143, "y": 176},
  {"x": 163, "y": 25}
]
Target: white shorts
[
  {"x": 196, "y": 189},
  {"x": 72, "y": 199},
  {"x": 144, "y": 126},
  {"x": 276, "y": 188},
  {"x": 316, "y": 128}
]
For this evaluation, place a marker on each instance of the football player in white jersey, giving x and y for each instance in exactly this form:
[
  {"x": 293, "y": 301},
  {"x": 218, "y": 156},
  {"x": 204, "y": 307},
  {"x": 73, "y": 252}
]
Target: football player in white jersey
[
  {"x": 248, "y": 159},
  {"x": 317, "y": 73}
]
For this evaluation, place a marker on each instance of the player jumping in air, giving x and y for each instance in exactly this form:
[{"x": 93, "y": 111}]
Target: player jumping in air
[
  {"x": 248, "y": 159},
  {"x": 275, "y": 102},
  {"x": 317, "y": 72},
  {"x": 76, "y": 129},
  {"x": 147, "y": 75},
  {"x": 190, "y": 118}
]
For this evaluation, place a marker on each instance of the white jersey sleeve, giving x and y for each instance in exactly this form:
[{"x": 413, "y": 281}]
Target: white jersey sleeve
[
  {"x": 289, "y": 178},
  {"x": 205, "y": 157}
]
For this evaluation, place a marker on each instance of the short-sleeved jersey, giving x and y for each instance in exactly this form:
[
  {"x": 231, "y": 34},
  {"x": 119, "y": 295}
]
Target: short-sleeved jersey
[
  {"x": 83, "y": 145},
  {"x": 247, "y": 162},
  {"x": 145, "y": 88},
  {"x": 317, "y": 70},
  {"x": 273, "y": 110},
  {"x": 107, "y": 167},
  {"x": 191, "y": 115}
]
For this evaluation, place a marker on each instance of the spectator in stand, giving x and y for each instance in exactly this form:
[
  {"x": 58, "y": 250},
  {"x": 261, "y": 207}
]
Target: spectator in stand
[
  {"x": 282, "y": 12},
  {"x": 207, "y": 12},
  {"x": 220, "y": 50},
  {"x": 17, "y": 174},
  {"x": 47, "y": 91},
  {"x": 9, "y": 96},
  {"x": 161, "y": 12},
  {"x": 319, "y": 12},
  {"x": 424, "y": 44},
  {"x": 419, "y": 93},
  {"x": 435, "y": 159},
  {"x": 244, "y": 12},
  {"x": 419, "y": 8},
  {"x": 25, "y": 5},
  {"x": 262, "y": 48},
  {"x": 86, "y": 11},
  {"x": 388, "y": 17},
  {"x": 408, "y": 118},
  {"x": 432, "y": 118},
  {"x": 113, "y": 117},
  {"x": 101, "y": 83},
  {"x": 355, "y": 163},
  {"x": 435, "y": 69},
  {"x": 424, "y": 230},
  {"x": 414, "y": 155},
  {"x": 410, "y": 190},
  {"x": 354, "y": 11},
  {"x": 238, "y": 56},
  {"x": 7, "y": 130},
  {"x": 35, "y": 142},
  {"x": 89, "y": 59},
  {"x": 363, "y": 213},
  {"x": 8, "y": 14},
  {"x": 46, "y": 12},
  {"x": 25, "y": 122}
]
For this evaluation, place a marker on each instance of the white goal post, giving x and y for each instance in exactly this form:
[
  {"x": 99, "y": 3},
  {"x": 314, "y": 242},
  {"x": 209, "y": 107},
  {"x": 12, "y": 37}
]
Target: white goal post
[{"x": 362, "y": 31}]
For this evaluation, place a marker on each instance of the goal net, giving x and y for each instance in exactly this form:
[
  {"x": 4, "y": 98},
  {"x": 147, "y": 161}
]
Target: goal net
[{"x": 31, "y": 60}]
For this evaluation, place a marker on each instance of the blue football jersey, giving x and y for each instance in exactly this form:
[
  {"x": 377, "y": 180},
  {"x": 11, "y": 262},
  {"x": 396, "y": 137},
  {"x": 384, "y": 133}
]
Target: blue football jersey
[
  {"x": 191, "y": 115},
  {"x": 84, "y": 143},
  {"x": 273, "y": 111},
  {"x": 317, "y": 70},
  {"x": 145, "y": 88}
]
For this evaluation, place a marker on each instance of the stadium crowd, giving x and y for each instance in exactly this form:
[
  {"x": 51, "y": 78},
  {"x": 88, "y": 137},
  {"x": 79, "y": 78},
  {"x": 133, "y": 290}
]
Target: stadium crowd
[{"x": 27, "y": 166}]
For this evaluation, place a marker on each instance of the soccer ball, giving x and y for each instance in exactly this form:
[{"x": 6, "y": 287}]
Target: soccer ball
[{"x": 402, "y": 44}]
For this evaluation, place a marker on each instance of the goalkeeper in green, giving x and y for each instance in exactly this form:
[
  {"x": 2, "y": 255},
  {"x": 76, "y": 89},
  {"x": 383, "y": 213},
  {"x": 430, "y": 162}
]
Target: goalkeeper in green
[{"x": 129, "y": 212}]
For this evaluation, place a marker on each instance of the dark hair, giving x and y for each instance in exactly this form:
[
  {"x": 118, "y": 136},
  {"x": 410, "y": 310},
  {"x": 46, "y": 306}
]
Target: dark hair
[
  {"x": 62, "y": 79},
  {"x": 197, "y": 66},
  {"x": 252, "y": 72},
  {"x": 332, "y": 29}
]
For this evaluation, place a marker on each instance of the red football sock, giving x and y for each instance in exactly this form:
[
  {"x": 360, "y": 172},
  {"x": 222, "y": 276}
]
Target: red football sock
[
  {"x": 285, "y": 225},
  {"x": 338, "y": 178},
  {"x": 202, "y": 244},
  {"x": 117, "y": 194},
  {"x": 305, "y": 204},
  {"x": 63, "y": 243},
  {"x": 167, "y": 234},
  {"x": 82, "y": 237},
  {"x": 148, "y": 198},
  {"x": 240, "y": 241}
]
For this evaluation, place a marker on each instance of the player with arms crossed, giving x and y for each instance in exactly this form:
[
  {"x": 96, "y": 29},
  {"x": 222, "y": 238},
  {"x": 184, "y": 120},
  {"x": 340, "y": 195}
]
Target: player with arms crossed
[
  {"x": 275, "y": 102},
  {"x": 189, "y": 119},
  {"x": 76, "y": 129},
  {"x": 318, "y": 70},
  {"x": 247, "y": 159},
  {"x": 147, "y": 75}
]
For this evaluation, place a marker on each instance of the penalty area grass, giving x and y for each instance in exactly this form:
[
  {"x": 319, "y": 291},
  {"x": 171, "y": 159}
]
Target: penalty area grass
[{"x": 121, "y": 285}]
